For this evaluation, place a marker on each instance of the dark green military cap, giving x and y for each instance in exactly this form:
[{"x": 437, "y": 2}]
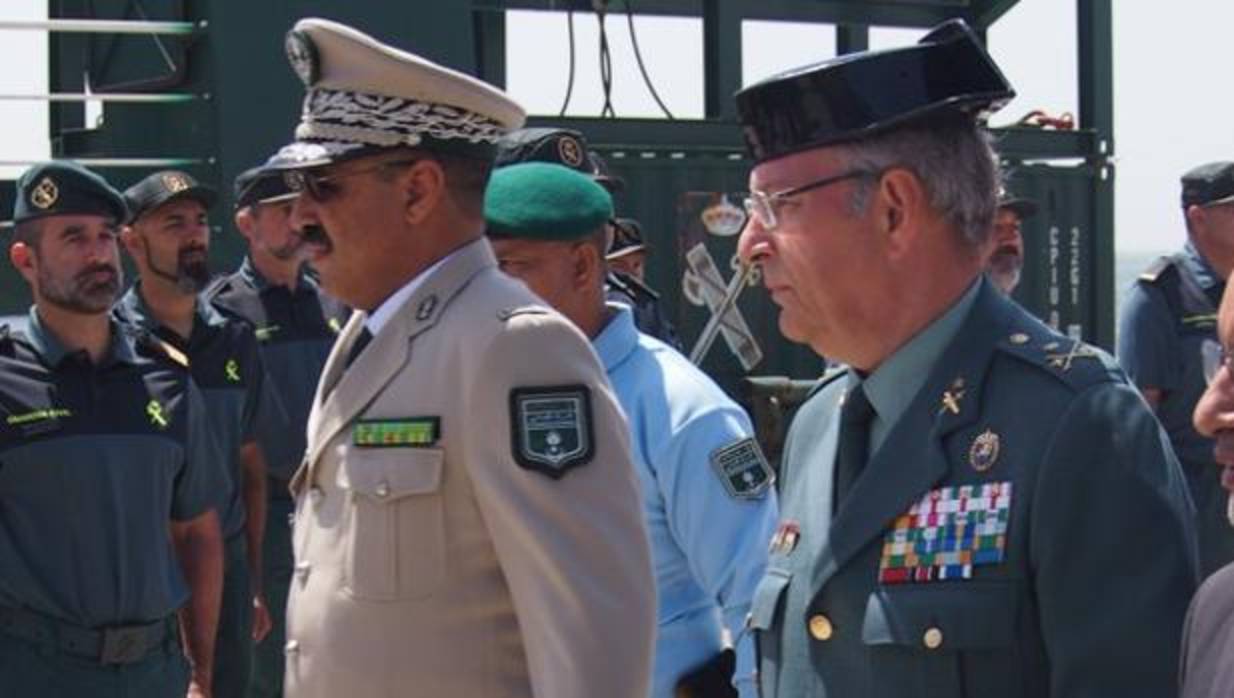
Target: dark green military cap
[
  {"x": 544, "y": 202},
  {"x": 61, "y": 187}
]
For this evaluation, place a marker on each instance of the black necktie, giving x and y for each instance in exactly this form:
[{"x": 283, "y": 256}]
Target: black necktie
[
  {"x": 357, "y": 347},
  {"x": 853, "y": 447}
]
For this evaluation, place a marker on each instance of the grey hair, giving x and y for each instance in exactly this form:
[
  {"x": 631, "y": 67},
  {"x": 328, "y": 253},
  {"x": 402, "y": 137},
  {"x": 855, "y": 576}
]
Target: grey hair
[{"x": 955, "y": 160}]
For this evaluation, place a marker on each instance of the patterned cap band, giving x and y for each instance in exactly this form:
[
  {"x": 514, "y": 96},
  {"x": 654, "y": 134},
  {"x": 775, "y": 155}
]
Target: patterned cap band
[{"x": 377, "y": 120}]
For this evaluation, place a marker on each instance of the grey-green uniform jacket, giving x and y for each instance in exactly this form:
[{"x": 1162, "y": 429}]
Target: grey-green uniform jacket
[
  {"x": 95, "y": 460},
  {"x": 1023, "y": 530}
]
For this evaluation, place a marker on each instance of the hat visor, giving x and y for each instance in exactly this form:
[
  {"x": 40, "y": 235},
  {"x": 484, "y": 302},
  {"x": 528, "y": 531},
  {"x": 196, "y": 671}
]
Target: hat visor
[
  {"x": 1219, "y": 202},
  {"x": 200, "y": 193},
  {"x": 625, "y": 251},
  {"x": 300, "y": 155},
  {"x": 1020, "y": 207}
]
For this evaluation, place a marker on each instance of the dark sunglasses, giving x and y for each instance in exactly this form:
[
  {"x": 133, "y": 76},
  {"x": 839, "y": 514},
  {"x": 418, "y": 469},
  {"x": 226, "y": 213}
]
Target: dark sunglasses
[{"x": 322, "y": 187}]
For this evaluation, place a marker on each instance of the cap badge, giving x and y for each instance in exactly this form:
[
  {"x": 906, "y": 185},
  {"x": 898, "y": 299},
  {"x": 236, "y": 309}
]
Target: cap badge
[
  {"x": 45, "y": 194},
  {"x": 175, "y": 183},
  {"x": 984, "y": 451},
  {"x": 724, "y": 219},
  {"x": 570, "y": 151},
  {"x": 302, "y": 55}
]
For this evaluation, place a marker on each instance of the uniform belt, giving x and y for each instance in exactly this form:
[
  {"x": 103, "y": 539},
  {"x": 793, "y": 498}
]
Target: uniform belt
[{"x": 120, "y": 644}]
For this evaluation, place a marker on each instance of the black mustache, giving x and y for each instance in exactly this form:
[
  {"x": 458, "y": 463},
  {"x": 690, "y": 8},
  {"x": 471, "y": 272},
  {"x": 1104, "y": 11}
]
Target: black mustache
[{"x": 314, "y": 234}]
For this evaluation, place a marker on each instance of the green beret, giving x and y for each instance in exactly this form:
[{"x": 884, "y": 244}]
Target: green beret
[
  {"x": 61, "y": 187},
  {"x": 545, "y": 202}
]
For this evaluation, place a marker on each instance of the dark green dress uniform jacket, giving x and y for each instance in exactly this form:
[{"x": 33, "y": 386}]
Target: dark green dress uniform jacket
[
  {"x": 95, "y": 460},
  {"x": 1098, "y": 552}
]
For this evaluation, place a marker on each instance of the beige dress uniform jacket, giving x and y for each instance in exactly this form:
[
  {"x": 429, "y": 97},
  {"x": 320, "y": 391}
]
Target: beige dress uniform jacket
[{"x": 449, "y": 569}]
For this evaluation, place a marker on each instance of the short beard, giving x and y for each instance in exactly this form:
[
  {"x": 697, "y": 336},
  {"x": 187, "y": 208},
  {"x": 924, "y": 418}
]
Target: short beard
[
  {"x": 82, "y": 294},
  {"x": 190, "y": 276}
]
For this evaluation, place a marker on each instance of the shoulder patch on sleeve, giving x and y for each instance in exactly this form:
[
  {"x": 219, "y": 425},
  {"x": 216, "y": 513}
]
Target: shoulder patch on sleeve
[
  {"x": 551, "y": 429},
  {"x": 742, "y": 469}
]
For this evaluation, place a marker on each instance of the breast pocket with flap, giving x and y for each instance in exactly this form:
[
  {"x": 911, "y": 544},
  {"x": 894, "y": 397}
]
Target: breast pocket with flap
[
  {"x": 396, "y": 523},
  {"x": 954, "y": 639}
]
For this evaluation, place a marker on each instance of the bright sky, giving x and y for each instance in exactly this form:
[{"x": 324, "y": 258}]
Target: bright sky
[{"x": 1170, "y": 110}]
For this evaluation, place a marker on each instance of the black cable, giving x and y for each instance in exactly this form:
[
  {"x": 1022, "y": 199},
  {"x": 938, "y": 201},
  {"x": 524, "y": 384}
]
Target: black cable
[
  {"x": 606, "y": 67},
  {"x": 570, "y": 83},
  {"x": 638, "y": 56}
]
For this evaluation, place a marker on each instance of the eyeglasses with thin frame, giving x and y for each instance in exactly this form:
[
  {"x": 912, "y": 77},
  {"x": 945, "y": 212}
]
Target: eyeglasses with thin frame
[
  {"x": 763, "y": 206},
  {"x": 1213, "y": 357},
  {"x": 321, "y": 187}
]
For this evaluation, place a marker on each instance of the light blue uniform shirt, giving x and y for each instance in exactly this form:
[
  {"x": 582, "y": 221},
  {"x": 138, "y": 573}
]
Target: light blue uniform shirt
[{"x": 709, "y": 548}]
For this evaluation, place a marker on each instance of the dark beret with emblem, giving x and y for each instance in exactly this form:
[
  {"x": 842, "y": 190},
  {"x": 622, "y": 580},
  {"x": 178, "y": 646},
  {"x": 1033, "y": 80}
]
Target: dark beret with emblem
[
  {"x": 560, "y": 146},
  {"x": 542, "y": 201},
  {"x": 1020, "y": 206},
  {"x": 1209, "y": 184},
  {"x": 863, "y": 94},
  {"x": 164, "y": 187},
  {"x": 363, "y": 96},
  {"x": 627, "y": 238},
  {"x": 261, "y": 185},
  {"x": 62, "y": 188}
]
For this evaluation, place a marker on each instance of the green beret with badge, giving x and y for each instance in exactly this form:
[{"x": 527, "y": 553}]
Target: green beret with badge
[
  {"x": 542, "y": 201},
  {"x": 62, "y": 188}
]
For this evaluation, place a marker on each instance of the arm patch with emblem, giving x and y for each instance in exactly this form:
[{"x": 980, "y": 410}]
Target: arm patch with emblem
[
  {"x": 550, "y": 428},
  {"x": 742, "y": 469}
]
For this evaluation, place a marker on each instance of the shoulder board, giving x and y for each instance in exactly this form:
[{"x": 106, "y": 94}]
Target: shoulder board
[
  {"x": 1156, "y": 269},
  {"x": 506, "y": 314},
  {"x": 162, "y": 349},
  {"x": 1073, "y": 362}
]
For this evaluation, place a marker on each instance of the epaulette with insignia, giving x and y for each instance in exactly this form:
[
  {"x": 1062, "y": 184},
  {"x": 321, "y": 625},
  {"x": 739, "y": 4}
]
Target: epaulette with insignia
[
  {"x": 1154, "y": 271},
  {"x": 1072, "y": 361},
  {"x": 505, "y": 314},
  {"x": 161, "y": 349}
]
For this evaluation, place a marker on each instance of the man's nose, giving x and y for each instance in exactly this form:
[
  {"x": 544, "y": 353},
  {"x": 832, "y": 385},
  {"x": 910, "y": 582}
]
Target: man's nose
[
  {"x": 1214, "y": 412},
  {"x": 753, "y": 245}
]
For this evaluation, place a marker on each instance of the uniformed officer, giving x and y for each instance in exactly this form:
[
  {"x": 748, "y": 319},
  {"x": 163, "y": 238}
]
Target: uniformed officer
[
  {"x": 467, "y": 516},
  {"x": 296, "y": 324},
  {"x": 168, "y": 239},
  {"x": 707, "y": 493},
  {"x": 103, "y": 445},
  {"x": 975, "y": 505},
  {"x": 1168, "y": 319},
  {"x": 568, "y": 147},
  {"x": 1006, "y": 261},
  {"x": 627, "y": 251}
]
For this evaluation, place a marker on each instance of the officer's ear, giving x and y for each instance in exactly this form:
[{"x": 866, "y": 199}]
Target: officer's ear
[
  {"x": 1196, "y": 218},
  {"x": 422, "y": 186},
  {"x": 245, "y": 222},
  {"x": 900, "y": 204},
  {"x": 590, "y": 267},
  {"x": 133, "y": 243},
  {"x": 24, "y": 259}
]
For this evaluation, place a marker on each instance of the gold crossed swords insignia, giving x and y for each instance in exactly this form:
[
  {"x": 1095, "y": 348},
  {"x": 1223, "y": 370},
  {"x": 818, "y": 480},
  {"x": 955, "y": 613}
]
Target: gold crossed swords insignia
[
  {"x": 1062, "y": 360},
  {"x": 952, "y": 397}
]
